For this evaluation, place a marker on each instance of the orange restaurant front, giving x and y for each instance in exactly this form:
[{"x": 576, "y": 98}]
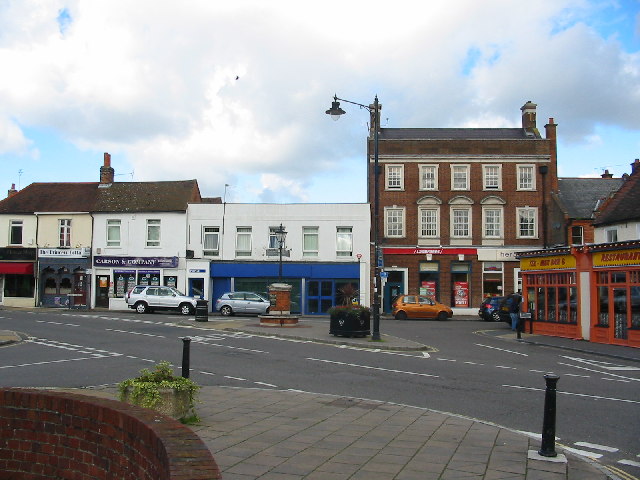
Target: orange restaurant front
[{"x": 590, "y": 292}]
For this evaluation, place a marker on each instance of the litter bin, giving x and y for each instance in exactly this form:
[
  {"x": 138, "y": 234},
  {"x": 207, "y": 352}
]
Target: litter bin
[{"x": 202, "y": 311}]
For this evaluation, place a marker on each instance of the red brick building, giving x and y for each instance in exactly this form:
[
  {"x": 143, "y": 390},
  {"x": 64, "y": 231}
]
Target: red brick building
[{"x": 455, "y": 204}]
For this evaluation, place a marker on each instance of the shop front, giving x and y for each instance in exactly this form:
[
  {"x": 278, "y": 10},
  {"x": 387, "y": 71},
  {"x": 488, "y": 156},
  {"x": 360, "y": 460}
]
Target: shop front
[
  {"x": 316, "y": 287},
  {"x": 63, "y": 277},
  {"x": 17, "y": 277},
  {"x": 115, "y": 276},
  {"x": 616, "y": 294}
]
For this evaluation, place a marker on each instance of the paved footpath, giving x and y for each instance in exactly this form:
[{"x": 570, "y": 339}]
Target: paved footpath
[{"x": 286, "y": 435}]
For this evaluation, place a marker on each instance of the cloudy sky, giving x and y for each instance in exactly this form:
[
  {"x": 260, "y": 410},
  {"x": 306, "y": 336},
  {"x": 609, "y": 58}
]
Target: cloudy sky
[{"x": 234, "y": 92}]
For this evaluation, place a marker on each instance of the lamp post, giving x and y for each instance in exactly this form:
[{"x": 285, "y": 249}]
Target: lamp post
[
  {"x": 335, "y": 111},
  {"x": 281, "y": 236}
]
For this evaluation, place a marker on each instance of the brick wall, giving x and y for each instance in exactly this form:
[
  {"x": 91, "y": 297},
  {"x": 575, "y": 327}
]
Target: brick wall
[{"x": 58, "y": 435}]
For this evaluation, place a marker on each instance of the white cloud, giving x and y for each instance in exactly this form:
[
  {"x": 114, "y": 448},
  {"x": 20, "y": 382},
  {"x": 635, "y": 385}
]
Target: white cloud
[{"x": 156, "y": 82}]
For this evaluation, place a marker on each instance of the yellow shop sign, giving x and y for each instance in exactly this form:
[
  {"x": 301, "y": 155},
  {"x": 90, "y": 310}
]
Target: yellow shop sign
[
  {"x": 548, "y": 263},
  {"x": 619, "y": 257}
]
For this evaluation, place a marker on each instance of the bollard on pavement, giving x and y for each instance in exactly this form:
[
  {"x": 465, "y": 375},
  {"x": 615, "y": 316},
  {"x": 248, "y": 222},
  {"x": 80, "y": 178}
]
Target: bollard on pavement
[
  {"x": 186, "y": 342},
  {"x": 548, "y": 447}
]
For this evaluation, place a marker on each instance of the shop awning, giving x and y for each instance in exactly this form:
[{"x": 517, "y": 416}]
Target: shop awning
[{"x": 21, "y": 268}]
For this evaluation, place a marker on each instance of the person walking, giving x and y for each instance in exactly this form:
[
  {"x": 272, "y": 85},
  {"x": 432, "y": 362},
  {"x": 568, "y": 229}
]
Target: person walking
[{"x": 514, "y": 309}]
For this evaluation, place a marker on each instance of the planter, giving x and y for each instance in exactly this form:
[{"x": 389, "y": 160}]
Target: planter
[
  {"x": 350, "y": 321},
  {"x": 173, "y": 403}
]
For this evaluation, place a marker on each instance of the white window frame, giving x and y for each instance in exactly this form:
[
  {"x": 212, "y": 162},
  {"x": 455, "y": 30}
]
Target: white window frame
[
  {"x": 18, "y": 225},
  {"x": 571, "y": 233},
  {"x": 114, "y": 225},
  {"x": 308, "y": 247},
  {"x": 434, "y": 222},
  {"x": 455, "y": 225},
  {"x": 456, "y": 169},
  {"x": 497, "y": 230},
  {"x": 153, "y": 232},
  {"x": 611, "y": 235},
  {"x": 397, "y": 179},
  {"x": 210, "y": 241},
  {"x": 245, "y": 233},
  {"x": 531, "y": 212},
  {"x": 492, "y": 177},
  {"x": 399, "y": 214},
  {"x": 520, "y": 171},
  {"x": 423, "y": 183},
  {"x": 64, "y": 229},
  {"x": 344, "y": 241},
  {"x": 273, "y": 239}
]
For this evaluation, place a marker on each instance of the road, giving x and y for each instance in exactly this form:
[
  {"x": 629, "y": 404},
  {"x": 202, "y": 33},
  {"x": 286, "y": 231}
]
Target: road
[{"x": 473, "y": 373}]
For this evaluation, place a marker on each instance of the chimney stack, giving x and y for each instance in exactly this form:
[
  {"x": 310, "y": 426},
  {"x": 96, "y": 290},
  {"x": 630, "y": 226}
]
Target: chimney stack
[
  {"x": 106, "y": 172},
  {"x": 12, "y": 191},
  {"x": 635, "y": 166},
  {"x": 529, "y": 115},
  {"x": 606, "y": 174}
]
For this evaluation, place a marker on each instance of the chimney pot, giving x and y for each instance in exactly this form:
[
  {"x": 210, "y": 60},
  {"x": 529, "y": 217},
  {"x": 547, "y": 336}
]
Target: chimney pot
[
  {"x": 606, "y": 174},
  {"x": 529, "y": 115},
  {"x": 635, "y": 166},
  {"x": 12, "y": 191},
  {"x": 107, "y": 173}
]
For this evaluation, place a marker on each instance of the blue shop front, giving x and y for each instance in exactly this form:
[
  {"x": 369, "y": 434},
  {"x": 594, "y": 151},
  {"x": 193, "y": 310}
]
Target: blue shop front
[{"x": 316, "y": 287}]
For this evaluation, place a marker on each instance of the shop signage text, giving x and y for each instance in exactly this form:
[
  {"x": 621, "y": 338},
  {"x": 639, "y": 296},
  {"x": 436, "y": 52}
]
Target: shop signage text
[
  {"x": 156, "y": 262},
  {"x": 64, "y": 252},
  {"x": 425, "y": 250},
  {"x": 548, "y": 263},
  {"x": 621, "y": 257},
  {"x": 16, "y": 253}
]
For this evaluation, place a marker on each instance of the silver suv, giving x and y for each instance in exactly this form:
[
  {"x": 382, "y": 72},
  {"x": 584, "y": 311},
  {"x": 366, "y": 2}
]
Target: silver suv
[
  {"x": 143, "y": 299},
  {"x": 242, "y": 302}
]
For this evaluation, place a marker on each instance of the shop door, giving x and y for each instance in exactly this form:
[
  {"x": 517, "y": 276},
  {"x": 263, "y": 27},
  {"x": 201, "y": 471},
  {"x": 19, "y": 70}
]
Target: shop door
[
  {"x": 391, "y": 291},
  {"x": 196, "y": 287},
  {"x": 319, "y": 296},
  {"x": 620, "y": 313},
  {"x": 102, "y": 291},
  {"x": 79, "y": 289}
]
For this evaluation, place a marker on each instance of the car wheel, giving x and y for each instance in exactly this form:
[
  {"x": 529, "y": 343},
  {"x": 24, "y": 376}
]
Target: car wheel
[
  {"x": 226, "y": 310},
  {"x": 141, "y": 307},
  {"x": 401, "y": 316},
  {"x": 442, "y": 316},
  {"x": 186, "y": 309},
  {"x": 266, "y": 312},
  {"x": 495, "y": 316}
]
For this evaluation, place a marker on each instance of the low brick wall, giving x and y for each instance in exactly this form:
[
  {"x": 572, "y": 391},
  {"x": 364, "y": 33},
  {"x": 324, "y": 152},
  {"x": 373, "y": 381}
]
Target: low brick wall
[{"x": 59, "y": 435}]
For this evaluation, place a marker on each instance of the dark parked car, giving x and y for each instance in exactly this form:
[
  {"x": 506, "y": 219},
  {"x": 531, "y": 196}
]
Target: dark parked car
[{"x": 495, "y": 309}]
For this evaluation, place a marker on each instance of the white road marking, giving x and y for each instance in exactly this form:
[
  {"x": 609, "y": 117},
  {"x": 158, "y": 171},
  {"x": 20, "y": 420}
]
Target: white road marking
[
  {"x": 598, "y": 371},
  {"x": 266, "y": 384},
  {"x": 446, "y": 360},
  {"x": 372, "y": 368},
  {"x": 584, "y": 453},
  {"x": 600, "y": 364},
  {"x": 235, "y": 378},
  {"x": 629, "y": 462},
  {"x": 576, "y": 375},
  {"x": 134, "y": 333},
  {"x": 58, "y": 323},
  {"x": 474, "y": 363},
  {"x": 503, "y": 366},
  {"x": 616, "y": 380},
  {"x": 207, "y": 373},
  {"x": 597, "y": 397},
  {"x": 595, "y": 446},
  {"x": 502, "y": 350}
]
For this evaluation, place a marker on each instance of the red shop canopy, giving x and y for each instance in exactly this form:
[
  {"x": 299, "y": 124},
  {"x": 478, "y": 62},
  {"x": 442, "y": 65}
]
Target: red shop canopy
[{"x": 23, "y": 268}]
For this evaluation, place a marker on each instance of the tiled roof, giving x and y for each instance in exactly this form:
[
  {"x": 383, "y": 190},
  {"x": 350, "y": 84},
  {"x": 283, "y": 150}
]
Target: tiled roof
[
  {"x": 172, "y": 196},
  {"x": 147, "y": 196},
  {"x": 581, "y": 196},
  {"x": 454, "y": 134},
  {"x": 624, "y": 206},
  {"x": 52, "y": 197}
]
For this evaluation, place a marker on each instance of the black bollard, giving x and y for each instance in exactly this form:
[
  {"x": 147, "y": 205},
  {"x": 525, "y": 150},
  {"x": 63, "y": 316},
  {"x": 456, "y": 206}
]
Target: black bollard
[
  {"x": 548, "y": 447},
  {"x": 186, "y": 342}
]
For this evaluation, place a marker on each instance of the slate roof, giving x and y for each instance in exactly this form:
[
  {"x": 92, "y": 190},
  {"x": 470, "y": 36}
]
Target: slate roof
[
  {"x": 580, "y": 197},
  {"x": 52, "y": 197},
  {"x": 171, "y": 196},
  {"x": 624, "y": 206},
  {"x": 455, "y": 134}
]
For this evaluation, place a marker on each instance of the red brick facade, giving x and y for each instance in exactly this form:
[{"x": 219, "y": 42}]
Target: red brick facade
[{"x": 491, "y": 162}]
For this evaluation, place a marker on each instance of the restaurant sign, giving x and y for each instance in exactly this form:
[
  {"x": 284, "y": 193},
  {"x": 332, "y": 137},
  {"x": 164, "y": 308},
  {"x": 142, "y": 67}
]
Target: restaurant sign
[
  {"x": 617, "y": 258},
  {"x": 143, "y": 262},
  {"x": 83, "y": 252},
  {"x": 548, "y": 263}
]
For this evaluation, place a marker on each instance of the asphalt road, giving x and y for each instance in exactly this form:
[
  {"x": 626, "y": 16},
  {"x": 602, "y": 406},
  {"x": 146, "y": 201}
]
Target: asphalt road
[{"x": 473, "y": 372}]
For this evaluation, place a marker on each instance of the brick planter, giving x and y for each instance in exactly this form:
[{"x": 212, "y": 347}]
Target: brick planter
[{"x": 59, "y": 435}]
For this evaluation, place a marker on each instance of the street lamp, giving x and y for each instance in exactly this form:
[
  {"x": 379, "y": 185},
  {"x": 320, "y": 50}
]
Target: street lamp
[
  {"x": 281, "y": 236},
  {"x": 374, "y": 110}
]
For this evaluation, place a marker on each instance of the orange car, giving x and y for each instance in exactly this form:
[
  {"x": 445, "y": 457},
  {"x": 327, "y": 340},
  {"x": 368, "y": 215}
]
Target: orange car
[{"x": 420, "y": 306}]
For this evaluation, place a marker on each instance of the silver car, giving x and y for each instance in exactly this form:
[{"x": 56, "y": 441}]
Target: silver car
[
  {"x": 242, "y": 302},
  {"x": 144, "y": 298}
]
